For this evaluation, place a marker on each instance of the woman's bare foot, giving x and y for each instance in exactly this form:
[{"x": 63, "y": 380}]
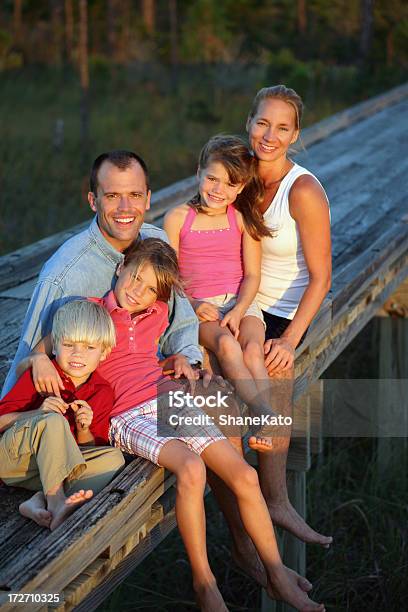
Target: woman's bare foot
[
  {"x": 284, "y": 515},
  {"x": 286, "y": 585},
  {"x": 247, "y": 559},
  {"x": 262, "y": 445},
  {"x": 34, "y": 509},
  {"x": 62, "y": 507},
  {"x": 209, "y": 598}
]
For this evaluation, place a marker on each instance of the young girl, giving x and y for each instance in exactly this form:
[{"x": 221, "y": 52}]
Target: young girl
[
  {"x": 139, "y": 311},
  {"x": 217, "y": 237}
]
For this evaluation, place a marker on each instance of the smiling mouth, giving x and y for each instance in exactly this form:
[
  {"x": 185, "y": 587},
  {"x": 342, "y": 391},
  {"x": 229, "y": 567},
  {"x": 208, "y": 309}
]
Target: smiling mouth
[
  {"x": 131, "y": 300},
  {"x": 124, "y": 220},
  {"x": 214, "y": 198},
  {"x": 76, "y": 364},
  {"x": 267, "y": 148}
]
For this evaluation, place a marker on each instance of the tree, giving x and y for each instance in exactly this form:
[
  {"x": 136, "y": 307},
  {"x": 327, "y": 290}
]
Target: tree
[
  {"x": 367, "y": 7},
  {"x": 301, "y": 16},
  {"x": 69, "y": 30},
  {"x": 84, "y": 74},
  {"x": 149, "y": 15}
]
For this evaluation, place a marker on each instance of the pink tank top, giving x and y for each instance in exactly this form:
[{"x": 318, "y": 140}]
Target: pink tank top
[{"x": 211, "y": 260}]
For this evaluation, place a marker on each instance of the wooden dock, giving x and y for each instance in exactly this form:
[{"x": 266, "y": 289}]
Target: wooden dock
[{"x": 361, "y": 157}]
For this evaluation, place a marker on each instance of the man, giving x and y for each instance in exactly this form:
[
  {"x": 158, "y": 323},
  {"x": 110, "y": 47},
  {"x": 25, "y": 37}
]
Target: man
[{"x": 85, "y": 265}]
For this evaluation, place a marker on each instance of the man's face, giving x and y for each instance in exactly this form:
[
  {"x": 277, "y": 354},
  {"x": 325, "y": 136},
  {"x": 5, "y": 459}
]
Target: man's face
[{"x": 120, "y": 203}]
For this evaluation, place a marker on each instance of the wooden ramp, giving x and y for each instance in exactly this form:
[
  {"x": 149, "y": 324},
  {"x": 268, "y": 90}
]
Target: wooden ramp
[{"x": 361, "y": 157}]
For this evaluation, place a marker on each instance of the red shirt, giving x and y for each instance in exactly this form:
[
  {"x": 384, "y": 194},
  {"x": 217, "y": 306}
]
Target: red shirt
[
  {"x": 96, "y": 391},
  {"x": 132, "y": 368}
]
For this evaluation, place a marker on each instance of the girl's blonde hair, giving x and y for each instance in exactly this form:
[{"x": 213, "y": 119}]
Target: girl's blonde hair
[
  {"x": 163, "y": 259},
  {"x": 242, "y": 167},
  {"x": 83, "y": 321},
  {"x": 279, "y": 92}
]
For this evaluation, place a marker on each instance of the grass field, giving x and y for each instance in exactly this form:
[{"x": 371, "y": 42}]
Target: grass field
[{"x": 44, "y": 167}]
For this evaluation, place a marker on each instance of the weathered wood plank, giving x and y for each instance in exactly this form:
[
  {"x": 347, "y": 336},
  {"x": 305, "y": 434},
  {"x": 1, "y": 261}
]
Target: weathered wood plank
[
  {"x": 99, "y": 569},
  {"x": 96, "y": 522}
]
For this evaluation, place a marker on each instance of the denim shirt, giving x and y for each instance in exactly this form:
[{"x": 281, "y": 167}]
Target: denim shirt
[{"x": 85, "y": 266}]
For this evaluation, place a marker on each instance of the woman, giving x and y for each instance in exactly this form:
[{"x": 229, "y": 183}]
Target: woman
[{"x": 295, "y": 277}]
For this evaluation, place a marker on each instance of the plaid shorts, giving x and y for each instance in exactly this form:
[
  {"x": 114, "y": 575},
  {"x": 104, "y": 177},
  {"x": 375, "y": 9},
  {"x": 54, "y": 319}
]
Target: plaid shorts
[{"x": 135, "y": 432}]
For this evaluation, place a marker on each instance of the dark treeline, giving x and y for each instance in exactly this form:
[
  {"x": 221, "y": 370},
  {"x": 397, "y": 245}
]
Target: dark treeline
[{"x": 370, "y": 32}]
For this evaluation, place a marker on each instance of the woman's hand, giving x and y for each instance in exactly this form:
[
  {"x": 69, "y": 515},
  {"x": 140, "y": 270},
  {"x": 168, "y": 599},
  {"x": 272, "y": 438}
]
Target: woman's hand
[
  {"x": 279, "y": 355},
  {"x": 45, "y": 377},
  {"x": 54, "y": 404},
  {"x": 232, "y": 320},
  {"x": 83, "y": 414},
  {"x": 206, "y": 311}
]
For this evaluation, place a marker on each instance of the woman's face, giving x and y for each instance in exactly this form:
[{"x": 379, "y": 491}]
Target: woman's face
[{"x": 273, "y": 129}]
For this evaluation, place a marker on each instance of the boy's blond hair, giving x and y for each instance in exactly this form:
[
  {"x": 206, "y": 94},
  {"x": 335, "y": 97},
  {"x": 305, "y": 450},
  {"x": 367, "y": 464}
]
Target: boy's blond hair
[{"x": 83, "y": 321}]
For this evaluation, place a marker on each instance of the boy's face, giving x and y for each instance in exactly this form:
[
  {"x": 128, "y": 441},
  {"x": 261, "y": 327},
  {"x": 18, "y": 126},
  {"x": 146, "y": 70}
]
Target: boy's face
[
  {"x": 78, "y": 359},
  {"x": 136, "y": 288}
]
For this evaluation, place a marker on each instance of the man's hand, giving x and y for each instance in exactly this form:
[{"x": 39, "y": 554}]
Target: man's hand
[
  {"x": 279, "y": 355},
  {"x": 54, "y": 404},
  {"x": 232, "y": 320},
  {"x": 206, "y": 311},
  {"x": 83, "y": 414},
  {"x": 45, "y": 377}
]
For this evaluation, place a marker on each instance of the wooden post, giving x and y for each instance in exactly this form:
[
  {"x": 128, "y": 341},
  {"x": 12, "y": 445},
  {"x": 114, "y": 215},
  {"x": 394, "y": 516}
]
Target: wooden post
[{"x": 393, "y": 364}]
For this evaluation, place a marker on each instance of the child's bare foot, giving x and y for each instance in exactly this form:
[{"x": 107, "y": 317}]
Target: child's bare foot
[
  {"x": 284, "y": 515},
  {"x": 209, "y": 598},
  {"x": 247, "y": 559},
  {"x": 286, "y": 585},
  {"x": 34, "y": 509},
  {"x": 262, "y": 445},
  {"x": 62, "y": 507}
]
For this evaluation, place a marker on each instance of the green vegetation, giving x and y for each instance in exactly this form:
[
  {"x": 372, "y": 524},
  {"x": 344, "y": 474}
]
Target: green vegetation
[{"x": 45, "y": 167}]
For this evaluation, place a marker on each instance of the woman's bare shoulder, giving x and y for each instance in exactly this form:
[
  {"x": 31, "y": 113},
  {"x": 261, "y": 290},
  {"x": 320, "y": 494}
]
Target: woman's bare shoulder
[{"x": 306, "y": 192}]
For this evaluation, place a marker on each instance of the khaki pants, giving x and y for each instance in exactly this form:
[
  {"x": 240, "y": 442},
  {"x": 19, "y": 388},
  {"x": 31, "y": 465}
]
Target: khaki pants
[{"x": 39, "y": 452}]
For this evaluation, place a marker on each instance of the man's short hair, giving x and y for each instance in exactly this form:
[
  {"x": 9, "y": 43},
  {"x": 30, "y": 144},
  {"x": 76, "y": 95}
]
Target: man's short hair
[
  {"x": 83, "y": 321},
  {"x": 120, "y": 159}
]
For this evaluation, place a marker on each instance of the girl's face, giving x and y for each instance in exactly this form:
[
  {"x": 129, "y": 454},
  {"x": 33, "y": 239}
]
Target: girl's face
[
  {"x": 273, "y": 129},
  {"x": 215, "y": 187},
  {"x": 136, "y": 288}
]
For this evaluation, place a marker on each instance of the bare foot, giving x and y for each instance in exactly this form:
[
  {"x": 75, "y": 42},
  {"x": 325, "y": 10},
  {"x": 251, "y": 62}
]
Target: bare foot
[
  {"x": 249, "y": 562},
  {"x": 286, "y": 585},
  {"x": 262, "y": 445},
  {"x": 284, "y": 515},
  {"x": 34, "y": 509},
  {"x": 209, "y": 598},
  {"x": 62, "y": 508}
]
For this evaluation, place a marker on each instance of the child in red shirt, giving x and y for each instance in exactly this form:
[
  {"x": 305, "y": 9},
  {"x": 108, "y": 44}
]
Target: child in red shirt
[
  {"x": 48, "y": 444},
  {"x": 139, "y": 312}
]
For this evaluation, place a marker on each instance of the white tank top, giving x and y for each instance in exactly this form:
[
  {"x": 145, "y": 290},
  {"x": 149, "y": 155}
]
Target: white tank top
[{"x": 284, "y": 273}]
